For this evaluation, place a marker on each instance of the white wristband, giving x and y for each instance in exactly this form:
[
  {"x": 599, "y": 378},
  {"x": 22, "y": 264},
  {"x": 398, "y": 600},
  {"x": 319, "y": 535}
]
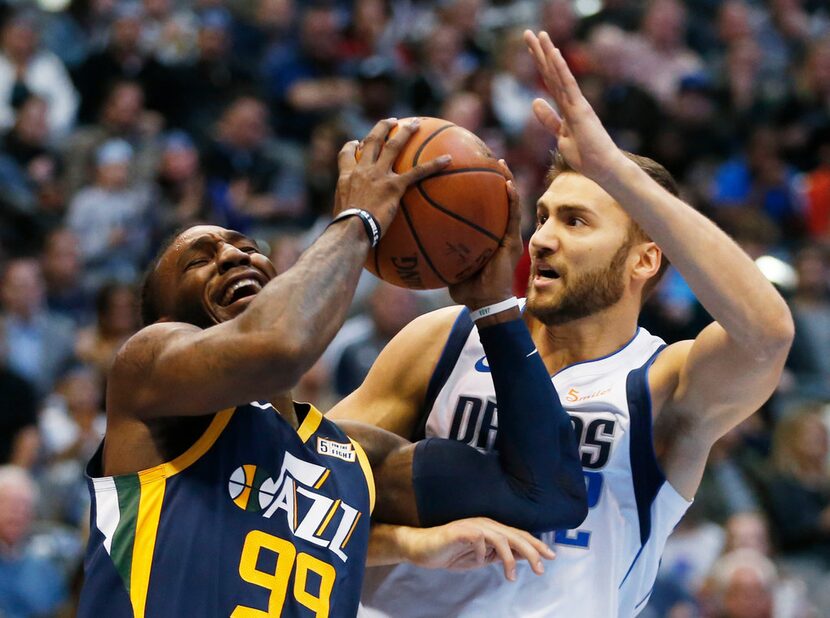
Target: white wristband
[{"x": 496, "y": 308}]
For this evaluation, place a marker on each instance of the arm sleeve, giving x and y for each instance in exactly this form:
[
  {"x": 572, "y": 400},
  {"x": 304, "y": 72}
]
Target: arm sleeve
[{"x": 533, "y": 480}]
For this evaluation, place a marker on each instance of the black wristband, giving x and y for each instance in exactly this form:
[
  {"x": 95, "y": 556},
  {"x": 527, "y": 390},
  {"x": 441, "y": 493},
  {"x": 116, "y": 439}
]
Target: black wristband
[{"x": 370, "y": 224}]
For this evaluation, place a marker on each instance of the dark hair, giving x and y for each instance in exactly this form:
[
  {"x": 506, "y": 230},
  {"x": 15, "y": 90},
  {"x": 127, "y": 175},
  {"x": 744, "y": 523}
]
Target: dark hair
[{"x": 658, "y": 173}]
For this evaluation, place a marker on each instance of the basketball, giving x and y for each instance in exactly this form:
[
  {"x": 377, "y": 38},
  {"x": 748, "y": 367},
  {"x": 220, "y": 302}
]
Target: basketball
[{"x": 450, "y": 223}]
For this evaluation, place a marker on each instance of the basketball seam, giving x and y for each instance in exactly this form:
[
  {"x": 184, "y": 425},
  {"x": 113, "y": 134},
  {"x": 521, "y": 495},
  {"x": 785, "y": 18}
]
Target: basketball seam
[
  {"x": 454, "y": 215},
  {"x": 427, "y": 141},
  {"x": 462, "y": 170},
  {"x": 418, "y": 242}
]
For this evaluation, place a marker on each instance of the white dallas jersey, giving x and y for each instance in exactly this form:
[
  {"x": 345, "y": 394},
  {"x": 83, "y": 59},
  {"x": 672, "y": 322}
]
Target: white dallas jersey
[{"x": 605, "y": 568}]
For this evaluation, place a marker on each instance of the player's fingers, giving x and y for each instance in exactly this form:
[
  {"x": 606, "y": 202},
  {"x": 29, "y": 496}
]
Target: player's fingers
[
  {"x": 514, "y": 221},
  {"x": 373, "y": 142},
  {"x": 543, "y": 64},
  {"x": 505, "y": 170},
  {"x": 346, "y": 160},
  {"x": 424, "y": 170},
  {"x": 535, "y": 49},
  {"x": 500, "y": 544},
  {"x": 547, "y": 116},
  {"x": 393, "y": 146},
  {"x": 567, "y": 81},
  {"x": 480, "y": 550}
]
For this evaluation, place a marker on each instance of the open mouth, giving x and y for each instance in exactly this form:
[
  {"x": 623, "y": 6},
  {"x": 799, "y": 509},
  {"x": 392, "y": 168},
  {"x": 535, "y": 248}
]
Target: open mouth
[
  {"x": 547, "y": 272},
  {"x": 238, "y": 290}
]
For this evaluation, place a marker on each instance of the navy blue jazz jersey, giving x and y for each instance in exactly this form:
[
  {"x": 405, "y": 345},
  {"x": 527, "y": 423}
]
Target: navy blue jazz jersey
[{"x": 255, "y": 519}]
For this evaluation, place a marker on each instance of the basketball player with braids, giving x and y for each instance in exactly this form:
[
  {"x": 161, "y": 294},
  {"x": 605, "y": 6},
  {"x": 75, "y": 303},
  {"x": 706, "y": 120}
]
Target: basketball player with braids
[
  {"x": 646, "y": 414},
  {"x": 213, "y": 494}
]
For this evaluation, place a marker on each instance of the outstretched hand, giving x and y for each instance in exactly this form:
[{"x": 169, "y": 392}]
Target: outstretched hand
[
  {"x": 370, "y": 183},
  {"x": 581, "y": 138},
  {"x": 473, "y": 543},
  {"x": 494, "y": 282}
]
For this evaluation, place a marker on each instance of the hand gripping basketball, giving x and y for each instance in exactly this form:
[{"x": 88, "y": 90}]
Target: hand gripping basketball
[{"x": 369, "y": 183}]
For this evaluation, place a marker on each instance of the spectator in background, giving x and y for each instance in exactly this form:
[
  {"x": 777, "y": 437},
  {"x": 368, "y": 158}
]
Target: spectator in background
[
  {"x": 441, "y": 71},
  {"x": 62, "y": 267},
  {"x": 112, "y": 218},
  {"x": 810, "y": 305},
  {"x": 631, "y": 114},
  {"x": 798, "y": 489},
  {"x": 390, "y": 309},
  {"x": 19, "y": 438},
  {"x": 558, "y": 18},
  {"x": 30, "y": 585},
  {"x": 38, "y": 344},
  {"x": 28, "y": 165},
  {"x": 623, "y": 14},
  {"x": 123, "y": 116},
  {"x": 213, "y": 79},
  {"x": 760, "y": 179},
  {"x": 659, "y": 53},
  {"x": 117, "y": 311},
  {"x": 808, "y": 108},
  {"x": 124, "y": 59},
  {"x": 464, "y": 16},
  {"x": 515, "y": 86},
  {"x": 26, "y": 69},
  {"x": 368, "y": 32},
  {"x": 377, "y": 97},
  {"x": 815, "y": 187},
  {"x": 72, "y": 425},
  {"x": 321, "y": 173},
  {"x": 168, "y": 33},
  {"x": 742, "y": 585},
  {"x": 180, "y": 195},
  {"x": 242, "y": 172},
  {"x": 308, "y": 81},
  {"x": 27, "y": 142}
]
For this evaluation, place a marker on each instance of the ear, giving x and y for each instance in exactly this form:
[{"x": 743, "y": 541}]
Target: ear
[{"x": 649, "y": 259}]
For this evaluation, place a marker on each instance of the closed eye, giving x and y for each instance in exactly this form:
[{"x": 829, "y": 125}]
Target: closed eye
[{"x": 196, "y": 263}]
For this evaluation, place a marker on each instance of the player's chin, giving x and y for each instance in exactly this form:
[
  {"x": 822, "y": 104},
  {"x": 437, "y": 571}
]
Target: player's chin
[{"x": 223, "y": 313}]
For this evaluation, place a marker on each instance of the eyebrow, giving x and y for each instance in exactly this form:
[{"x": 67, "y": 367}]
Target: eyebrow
[{"x": 566, "y": 209}]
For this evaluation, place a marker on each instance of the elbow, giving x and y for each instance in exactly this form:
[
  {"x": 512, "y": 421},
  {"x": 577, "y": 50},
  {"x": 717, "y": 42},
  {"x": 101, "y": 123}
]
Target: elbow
[
  {"x": 563, "y": 508},
  {"x": 779, "y": 332}
]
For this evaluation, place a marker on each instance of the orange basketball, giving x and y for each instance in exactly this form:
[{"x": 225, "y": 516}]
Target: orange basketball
[{"x": 449, "y": 224}]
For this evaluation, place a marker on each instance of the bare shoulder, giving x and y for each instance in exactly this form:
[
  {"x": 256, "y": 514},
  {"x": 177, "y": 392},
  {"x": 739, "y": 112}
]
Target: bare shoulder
[{"x": 392, "y": 394}]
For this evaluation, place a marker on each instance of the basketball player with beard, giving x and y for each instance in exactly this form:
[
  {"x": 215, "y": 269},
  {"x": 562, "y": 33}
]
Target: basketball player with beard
[
  {"x": 646, "y": 414},
  {"x": 214, "y": 494}
]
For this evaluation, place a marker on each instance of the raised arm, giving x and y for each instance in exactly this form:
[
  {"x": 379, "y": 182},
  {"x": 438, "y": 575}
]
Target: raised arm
[
  {"x": 708, "y": 385},
  {"x": 534, "y": 478},
  {"x": 173, "y": 368}
]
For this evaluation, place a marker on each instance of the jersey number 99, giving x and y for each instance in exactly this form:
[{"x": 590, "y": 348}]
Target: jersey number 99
[{"x": 288, "y": 561}]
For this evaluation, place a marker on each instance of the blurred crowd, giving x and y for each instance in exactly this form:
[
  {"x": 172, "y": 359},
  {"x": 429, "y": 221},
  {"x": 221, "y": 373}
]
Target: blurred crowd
[{"x": 122, "y": 121}]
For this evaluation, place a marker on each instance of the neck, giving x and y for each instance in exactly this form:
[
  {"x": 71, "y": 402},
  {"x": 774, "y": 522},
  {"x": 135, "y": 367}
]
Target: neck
[
  {"x": 285, "y": 406},
  {"x": 585, "y": 339}
]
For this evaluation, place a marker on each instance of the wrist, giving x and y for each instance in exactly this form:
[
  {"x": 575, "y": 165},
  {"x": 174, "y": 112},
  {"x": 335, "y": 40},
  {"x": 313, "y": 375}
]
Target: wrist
[
  {"x": 370, "y": 224},
  {"x": 480, "y": 311}
]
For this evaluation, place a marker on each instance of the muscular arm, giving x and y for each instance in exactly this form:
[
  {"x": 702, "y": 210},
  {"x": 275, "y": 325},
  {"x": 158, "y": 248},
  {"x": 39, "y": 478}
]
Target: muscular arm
[
  {"x": 708, "y": 385},
  {"x": 180, "y": 369},
  {"x": 175, "y": 369},
  {"x": 532, "y": 481}
]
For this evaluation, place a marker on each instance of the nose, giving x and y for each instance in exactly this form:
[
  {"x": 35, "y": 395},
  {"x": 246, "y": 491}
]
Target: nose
[
  {"x": 231, "y": 256},
  {"x": 545, "y": 239}
]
